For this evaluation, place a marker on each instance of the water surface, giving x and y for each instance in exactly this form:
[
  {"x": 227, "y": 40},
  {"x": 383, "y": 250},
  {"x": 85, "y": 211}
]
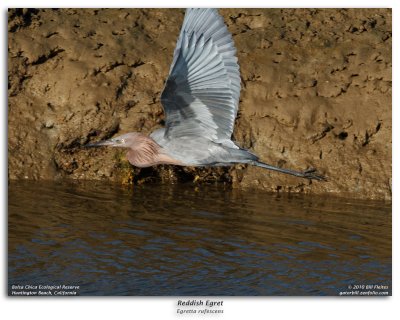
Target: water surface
[{"x": 186, "y": 240}]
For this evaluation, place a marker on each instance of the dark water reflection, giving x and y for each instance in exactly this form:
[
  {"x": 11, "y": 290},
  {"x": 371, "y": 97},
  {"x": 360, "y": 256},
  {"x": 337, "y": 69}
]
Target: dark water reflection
[{"x": 181, "y": 240}]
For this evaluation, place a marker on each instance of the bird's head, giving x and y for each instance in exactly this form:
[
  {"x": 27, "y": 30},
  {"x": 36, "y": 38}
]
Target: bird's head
[{"x": 126, "y": 140}]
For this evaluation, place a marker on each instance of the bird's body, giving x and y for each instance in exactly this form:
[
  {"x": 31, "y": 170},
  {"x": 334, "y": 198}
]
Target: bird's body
[
  {"x": 201, "y": 151},
  {"x": 200, "y": 100}
]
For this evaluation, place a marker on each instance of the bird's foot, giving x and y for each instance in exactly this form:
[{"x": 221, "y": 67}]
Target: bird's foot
[{"x": 313, "y": 175}]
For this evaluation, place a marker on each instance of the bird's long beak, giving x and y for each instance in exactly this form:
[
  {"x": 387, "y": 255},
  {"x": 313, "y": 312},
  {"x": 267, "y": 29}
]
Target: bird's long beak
[{"x": 110, "y": 143}]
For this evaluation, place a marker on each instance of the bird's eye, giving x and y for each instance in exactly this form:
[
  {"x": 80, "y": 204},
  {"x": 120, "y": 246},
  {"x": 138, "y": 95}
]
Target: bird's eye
[{"x": 122, "y": 140}]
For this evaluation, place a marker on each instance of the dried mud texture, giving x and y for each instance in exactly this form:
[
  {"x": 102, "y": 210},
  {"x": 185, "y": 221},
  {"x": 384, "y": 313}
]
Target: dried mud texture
[{"x": 316, "y": 92}]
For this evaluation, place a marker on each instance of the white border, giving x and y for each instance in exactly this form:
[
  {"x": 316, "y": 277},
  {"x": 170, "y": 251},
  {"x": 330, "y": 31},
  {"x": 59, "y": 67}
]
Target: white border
[
  {"x": 203, "y": 3},
  {"x": 165, "y": 308}
]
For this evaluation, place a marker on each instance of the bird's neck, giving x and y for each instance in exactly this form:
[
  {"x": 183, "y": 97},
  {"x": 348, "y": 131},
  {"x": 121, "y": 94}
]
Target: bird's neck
[{"x": 146, "y": 152}]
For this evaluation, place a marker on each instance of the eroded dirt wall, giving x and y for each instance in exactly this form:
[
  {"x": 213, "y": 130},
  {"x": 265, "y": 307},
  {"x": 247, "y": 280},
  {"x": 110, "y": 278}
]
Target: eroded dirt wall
[{"x": 316, "y": 92}]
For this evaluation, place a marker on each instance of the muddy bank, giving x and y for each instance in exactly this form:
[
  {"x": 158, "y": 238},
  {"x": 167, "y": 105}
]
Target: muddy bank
[{"x": 316, "y": 92}]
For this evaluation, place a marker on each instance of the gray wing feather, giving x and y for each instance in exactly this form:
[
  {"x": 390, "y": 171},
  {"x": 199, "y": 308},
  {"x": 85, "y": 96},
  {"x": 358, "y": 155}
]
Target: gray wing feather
[{"x": 202, "y": 91}]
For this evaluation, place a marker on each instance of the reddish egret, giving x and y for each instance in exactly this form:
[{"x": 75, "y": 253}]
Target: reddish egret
[{"x": 200, "y": 101}]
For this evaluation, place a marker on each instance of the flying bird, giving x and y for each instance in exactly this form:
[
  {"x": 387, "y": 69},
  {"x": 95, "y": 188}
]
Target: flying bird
[{"x": 200, "y": 101}]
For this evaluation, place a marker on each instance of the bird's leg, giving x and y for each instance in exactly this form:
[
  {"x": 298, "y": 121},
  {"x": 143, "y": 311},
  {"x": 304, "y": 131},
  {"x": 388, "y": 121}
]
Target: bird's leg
[{"x": 307, "y": 174}]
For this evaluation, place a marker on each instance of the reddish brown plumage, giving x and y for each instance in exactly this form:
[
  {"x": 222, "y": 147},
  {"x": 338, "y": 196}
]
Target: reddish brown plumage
[{"x": 145, "y": 152}]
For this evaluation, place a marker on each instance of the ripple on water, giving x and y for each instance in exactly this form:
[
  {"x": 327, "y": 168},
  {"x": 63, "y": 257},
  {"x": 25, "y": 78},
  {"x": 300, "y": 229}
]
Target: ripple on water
[{"x": 178, "y": 240}]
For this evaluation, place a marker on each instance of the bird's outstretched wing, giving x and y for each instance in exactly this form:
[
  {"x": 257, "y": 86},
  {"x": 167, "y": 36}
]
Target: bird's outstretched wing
[{"x": 202, "y": 91}]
